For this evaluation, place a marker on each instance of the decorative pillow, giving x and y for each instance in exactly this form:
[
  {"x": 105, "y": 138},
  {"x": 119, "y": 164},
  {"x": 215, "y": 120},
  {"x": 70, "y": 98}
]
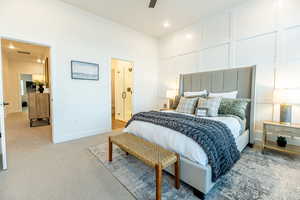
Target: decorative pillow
[
  {"x": 237, "y": 107},
  {"x": 228, "y": 95},
  {"x": 195, "y": 94},
  {"x": 187, "y": 105},
  {"x": 212, "y": 104}
]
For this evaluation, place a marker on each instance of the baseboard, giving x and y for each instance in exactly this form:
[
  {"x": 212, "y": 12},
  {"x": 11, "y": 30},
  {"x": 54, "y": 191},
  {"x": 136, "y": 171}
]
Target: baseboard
[{"x": 74, "y": 136}]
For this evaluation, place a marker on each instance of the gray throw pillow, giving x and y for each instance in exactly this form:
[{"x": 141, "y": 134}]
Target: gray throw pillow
[
  {"x": 187, "y": 105},
  {"x": 211, "y": 103},
  {"x": 237, "y": 107}
]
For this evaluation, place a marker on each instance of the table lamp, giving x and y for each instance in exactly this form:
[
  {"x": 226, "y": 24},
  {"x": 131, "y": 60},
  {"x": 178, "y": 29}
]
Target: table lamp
[
  {"x": 286, "y": 98},
  {"x": 171, "y": 94}
]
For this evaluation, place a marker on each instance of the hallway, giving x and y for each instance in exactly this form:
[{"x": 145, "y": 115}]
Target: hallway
[{"x": 20, "y": 135}]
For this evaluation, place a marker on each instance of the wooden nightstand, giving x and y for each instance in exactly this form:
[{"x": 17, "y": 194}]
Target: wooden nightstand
[{"x": 291, "y": 131}]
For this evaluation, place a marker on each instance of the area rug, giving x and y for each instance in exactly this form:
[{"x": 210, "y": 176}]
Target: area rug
[{"x": 269, "y": 176}]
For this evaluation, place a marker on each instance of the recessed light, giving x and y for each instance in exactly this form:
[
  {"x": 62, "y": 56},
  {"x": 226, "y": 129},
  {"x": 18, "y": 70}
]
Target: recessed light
[
  {"x": 188, "y": 36},
  {"x": 166, "y": 24},
  {"x": 39, "y": 60},
  {"x": 11, "y": 46}
]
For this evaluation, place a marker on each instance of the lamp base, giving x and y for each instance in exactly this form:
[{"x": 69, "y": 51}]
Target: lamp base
[
  {"x": 285, "y": 114},
  {"x": 170, "y": 103}
]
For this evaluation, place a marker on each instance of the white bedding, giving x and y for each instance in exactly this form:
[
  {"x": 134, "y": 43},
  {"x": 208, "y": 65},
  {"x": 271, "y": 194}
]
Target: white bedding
[{"x": 176, "y": 141}]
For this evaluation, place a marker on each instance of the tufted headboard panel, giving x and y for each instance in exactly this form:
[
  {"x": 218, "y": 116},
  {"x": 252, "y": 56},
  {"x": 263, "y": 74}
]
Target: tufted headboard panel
[{"x": 240, "y": 79}]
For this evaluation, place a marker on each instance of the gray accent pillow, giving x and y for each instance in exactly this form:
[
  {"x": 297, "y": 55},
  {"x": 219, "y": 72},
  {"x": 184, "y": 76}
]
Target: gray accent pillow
[
  {"x": 212, "y": 104},
  {"x": 237, "y": 107},
  {"x": 187, "y": 105}
]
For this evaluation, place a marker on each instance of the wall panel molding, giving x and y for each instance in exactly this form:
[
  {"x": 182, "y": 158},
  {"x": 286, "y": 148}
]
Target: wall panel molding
[{"x": 265, "y": 33}]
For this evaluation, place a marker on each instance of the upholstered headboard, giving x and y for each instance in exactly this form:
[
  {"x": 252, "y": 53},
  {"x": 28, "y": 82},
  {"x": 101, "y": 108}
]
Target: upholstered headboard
[{"x": 240, "y": 79}]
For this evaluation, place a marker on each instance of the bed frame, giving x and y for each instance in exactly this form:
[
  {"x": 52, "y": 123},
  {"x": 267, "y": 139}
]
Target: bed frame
[{"x": 240, "y": 79}]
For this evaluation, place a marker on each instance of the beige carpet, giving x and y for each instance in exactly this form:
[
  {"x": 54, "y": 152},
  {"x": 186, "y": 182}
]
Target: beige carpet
[{"x": 39, "y": 170}]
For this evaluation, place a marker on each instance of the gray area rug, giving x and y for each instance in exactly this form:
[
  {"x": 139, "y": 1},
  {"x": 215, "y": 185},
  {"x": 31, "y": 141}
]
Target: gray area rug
[{"x": 269, "y": 176}]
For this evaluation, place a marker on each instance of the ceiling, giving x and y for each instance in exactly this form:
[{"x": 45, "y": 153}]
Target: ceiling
[
  {"x": 33, "y": 53},
  {"x": 137, "y": 15}
]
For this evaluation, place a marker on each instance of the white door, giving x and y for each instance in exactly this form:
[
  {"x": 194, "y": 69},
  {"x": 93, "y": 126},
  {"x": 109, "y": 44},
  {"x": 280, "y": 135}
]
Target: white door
[
  {"x": 2, "y": 115},
  {"x": 119, "y": 92},
  {"x": 123, "y": 90},
  {"x": 128, "y": 83}
]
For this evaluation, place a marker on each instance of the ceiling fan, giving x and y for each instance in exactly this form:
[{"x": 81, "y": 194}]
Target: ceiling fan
[{"x": 152, "y": 3}]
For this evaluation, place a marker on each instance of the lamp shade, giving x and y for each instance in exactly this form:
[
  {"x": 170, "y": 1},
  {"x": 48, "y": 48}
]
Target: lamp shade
[
  {"x": 286, "y": 96},
  {"x": 171, "y": 94}
]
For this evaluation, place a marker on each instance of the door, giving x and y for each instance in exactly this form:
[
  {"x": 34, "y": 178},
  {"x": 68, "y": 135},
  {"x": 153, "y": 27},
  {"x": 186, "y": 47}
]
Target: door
[
  {"x": 123, "y": 90},
  {"x": 119, "y": 92},
  {"x": 128, "y": 84},
  {"x": 2, "y": 117}
]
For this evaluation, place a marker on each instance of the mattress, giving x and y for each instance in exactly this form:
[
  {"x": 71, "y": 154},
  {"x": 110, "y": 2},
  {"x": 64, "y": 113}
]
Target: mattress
[{"x": 177, "y": 142}]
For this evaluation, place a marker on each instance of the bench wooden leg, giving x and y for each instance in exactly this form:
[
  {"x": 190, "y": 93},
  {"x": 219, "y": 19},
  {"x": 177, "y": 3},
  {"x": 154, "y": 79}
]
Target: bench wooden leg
[
  {"x": 177, "y": 173},
  {"x": 109, "y": 150},
  {"x": 158, "y": 170}
]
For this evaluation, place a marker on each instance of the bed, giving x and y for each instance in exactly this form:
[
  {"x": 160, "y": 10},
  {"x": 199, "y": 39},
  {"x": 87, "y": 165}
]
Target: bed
[{"x": 195, "y": 169}]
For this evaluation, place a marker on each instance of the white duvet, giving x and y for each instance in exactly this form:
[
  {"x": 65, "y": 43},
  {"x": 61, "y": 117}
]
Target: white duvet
[{"x": 176, "y": 141}]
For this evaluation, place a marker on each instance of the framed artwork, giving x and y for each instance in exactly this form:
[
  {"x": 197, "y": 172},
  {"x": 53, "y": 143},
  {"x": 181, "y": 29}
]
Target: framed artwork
[
  {"x": 84, "y": 70},
  {"x": 202, "y": 112}
]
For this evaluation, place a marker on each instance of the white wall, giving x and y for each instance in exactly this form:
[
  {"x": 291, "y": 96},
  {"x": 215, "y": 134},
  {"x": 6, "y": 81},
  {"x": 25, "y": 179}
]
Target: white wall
[
  {"x": 12, "y": 81},
  {"x": 258, "y": 32},
  {"x": 82, "y": 108}
]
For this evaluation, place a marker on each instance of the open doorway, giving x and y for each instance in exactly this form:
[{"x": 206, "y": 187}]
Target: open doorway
[
  {"x": 122, "y": 92},
  {"x": 26, "y": 93}
]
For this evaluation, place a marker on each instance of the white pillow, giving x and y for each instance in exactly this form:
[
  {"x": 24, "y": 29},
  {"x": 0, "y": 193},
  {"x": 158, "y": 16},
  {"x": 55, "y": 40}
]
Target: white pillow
[
  {"x": 193, "y": 94},
  {"x": 228, "y": 95}
]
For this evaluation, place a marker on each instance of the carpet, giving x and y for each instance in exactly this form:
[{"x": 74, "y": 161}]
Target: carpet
[{"x": 256, "y": 176}]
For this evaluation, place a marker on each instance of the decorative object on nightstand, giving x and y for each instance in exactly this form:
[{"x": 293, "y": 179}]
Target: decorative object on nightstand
[
  {"x": 170, "y": 96},
  {"x": 281, "y": 141},
  {"x": 286, "y": 98},
  {"x": 282, "y": 131}
]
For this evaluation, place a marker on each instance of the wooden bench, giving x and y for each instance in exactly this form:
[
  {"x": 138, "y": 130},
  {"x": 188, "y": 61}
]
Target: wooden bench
[{"x": 151, "y": 154}]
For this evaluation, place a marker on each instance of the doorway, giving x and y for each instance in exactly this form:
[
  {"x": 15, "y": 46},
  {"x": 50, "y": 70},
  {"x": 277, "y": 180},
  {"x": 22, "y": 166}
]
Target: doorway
[
  {"x": 122, "y": 92},
  {"x": 25, "y": 87}
]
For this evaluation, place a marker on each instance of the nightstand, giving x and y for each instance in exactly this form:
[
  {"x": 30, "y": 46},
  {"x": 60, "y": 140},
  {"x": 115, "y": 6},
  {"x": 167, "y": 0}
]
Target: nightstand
[{"x": 291, "y": 131}]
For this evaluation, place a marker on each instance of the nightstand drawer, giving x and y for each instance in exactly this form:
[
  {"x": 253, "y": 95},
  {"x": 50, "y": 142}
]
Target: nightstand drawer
[{"x": 282, "y": 130}]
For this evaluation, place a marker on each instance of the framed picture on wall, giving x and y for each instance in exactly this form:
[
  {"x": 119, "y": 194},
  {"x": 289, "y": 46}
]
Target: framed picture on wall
[{"x": 84, "y": 70}]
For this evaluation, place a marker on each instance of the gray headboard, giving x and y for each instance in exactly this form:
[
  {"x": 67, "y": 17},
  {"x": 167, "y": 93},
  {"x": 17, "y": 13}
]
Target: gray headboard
[{"x": 240, "y": 79}]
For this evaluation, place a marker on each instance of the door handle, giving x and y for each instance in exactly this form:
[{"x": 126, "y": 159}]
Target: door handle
[
  {"x": 5, "y": 104},
  {"x": 123, "y": 95},
  {"x": 129, "y": 90}
]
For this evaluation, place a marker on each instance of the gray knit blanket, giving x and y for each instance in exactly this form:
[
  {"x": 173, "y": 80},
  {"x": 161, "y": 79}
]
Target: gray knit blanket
[{"x": 214, "y": 137}]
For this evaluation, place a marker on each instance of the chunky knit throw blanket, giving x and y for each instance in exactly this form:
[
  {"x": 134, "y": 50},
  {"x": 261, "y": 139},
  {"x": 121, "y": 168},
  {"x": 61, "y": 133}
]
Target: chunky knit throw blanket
[{"x": 214, "y": 137}]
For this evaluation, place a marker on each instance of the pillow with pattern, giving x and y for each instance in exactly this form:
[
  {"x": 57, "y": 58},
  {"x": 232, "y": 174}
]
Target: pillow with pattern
[
  {"x": 237, "y": 107},
  {"x": 212, "y": 104},
  {"x": 187, "y": 105}
]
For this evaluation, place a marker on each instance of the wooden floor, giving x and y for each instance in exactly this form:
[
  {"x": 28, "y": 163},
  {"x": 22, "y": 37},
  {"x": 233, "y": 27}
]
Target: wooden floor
[{"x": 117, "y": 124}]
